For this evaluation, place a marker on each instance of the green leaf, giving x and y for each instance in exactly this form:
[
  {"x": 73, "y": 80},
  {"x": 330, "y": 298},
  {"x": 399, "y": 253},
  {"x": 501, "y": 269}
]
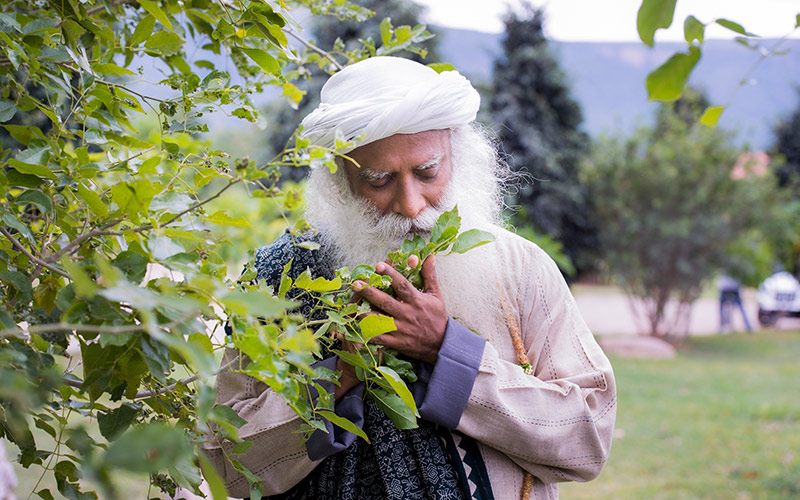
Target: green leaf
[
  {"x": 735, "y": 27},
  {"x": 38, "y": 198},
  {"x": 113, "y": 423},
  {"x": 45, "y": 495},
  {"x": 265, "y": 61},
  {"x": 386, "y": 30},
  {"x": 309, "y": 245},
  {"x": 93, "y": 201},
  {"x": 112, "y": 69},
  {"x": 343, "y": 423},
  {"x": 259, "y": 304},
  {"x": 171, "y": 202},
  {"x": 163, "y": 247},
  {"x": 143, "y": 30},
  {"x": 666, "y": 82},
  {"x": 399, "y": 387},
  {"x": 133, "y": 264},
  {"x": 7, "y": 110},
  {"x": 154, "y": 10},
  {"x": 165, "y": 43},
  {"x": 693, "y": 29},
  {"x": 444, "y": 226},
  {"x": 394, "y": 408},
  {"x": 440, "y": 67},
  {"x": 471, "y": 239},
  {"x": 73, "y": 491},
  {"x": 351, "y": 359},
  {"x": 797, "y": 21},
  {"x": 222, "y": 219},
  {"x": 711, "y": 115},
  {"x": 215, "y": 484},
  {"x": 376, "y": 324},
  {"x": 653, "y": 15},
  {"x": 320, "y": 284},
  {"x": 20, "y": 283},
  {"x": 84, "y": 286},
  {"x": 32, "y": 169},
  {"x": 149, "y": 448}
]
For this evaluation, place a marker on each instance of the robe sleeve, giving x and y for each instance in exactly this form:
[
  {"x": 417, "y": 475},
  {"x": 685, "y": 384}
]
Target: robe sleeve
[
  {"x": 557, "y": 422},
  {"x": 278, "y": 455}
]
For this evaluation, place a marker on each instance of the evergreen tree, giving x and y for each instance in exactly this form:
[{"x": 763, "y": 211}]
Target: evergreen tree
[
  {"x": 787, "y": 145},
  {"x": 541, "y": 135}
]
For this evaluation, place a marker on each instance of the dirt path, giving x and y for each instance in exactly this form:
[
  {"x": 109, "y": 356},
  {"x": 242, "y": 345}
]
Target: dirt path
[{"x": 607, "y": 312}]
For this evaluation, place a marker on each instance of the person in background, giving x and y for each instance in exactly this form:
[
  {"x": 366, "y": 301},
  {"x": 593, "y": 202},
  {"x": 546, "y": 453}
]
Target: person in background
[{"x": 729, "y": 297}]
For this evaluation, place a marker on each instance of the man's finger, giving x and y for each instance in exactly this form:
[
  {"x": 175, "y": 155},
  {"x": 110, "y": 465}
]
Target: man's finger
[
  {"x": 381, "y": 300},
  {"x": 402, "y": 287},
  {"x": 429, "y": 277}
]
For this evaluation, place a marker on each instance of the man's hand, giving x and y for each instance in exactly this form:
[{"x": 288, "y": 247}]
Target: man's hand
[
  {"x": 420, "y": 316},
  {"x": 348, "y": 380}
]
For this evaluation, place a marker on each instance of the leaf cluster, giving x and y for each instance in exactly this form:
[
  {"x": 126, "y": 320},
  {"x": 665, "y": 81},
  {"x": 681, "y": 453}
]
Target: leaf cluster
[
  {"x": 114, "y": 286},
  {"x": 385, "y": 372}
]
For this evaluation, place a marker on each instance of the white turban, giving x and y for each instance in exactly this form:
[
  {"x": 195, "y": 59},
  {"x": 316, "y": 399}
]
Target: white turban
[{"x": 383, "y": 96}]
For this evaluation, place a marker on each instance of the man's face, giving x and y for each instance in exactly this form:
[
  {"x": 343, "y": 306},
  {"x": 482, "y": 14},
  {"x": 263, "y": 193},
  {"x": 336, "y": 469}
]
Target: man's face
[{"x": 402, "y": 174}]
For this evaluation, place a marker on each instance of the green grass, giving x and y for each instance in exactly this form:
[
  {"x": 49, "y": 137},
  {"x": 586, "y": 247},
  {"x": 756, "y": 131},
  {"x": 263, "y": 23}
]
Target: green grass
[{"x": 719, "y": 421}]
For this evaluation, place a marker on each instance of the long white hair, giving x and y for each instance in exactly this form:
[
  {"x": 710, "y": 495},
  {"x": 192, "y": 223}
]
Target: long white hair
[{"x": 354, "y": 232}]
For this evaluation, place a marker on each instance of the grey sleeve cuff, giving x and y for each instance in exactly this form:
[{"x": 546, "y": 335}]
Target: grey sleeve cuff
[
  {"x": 350, "y": 406},
  {"x": 442, "y": 390}
]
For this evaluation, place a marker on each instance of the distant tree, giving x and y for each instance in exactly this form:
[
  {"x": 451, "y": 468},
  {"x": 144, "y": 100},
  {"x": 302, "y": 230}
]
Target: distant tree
[
  {"x": 672, "y": 213},
  {"x": 351, "y": 35},
  {"x": 787, "y": 145},
  {"x": 540, "y": 133},
  {"x": 787, "y": 151}
]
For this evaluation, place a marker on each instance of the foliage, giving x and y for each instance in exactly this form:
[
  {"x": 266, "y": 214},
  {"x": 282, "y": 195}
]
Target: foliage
[
  {"x": 541, "y": 134},
  {"x": 667, "y": 82},
  {"x": 352, "y": 35},
  {"x": 113, "y": 285},
  {"x": 384, "y": 373},
  {"x": 670, "y": 212},
  {"x": 722, "y": 427}
]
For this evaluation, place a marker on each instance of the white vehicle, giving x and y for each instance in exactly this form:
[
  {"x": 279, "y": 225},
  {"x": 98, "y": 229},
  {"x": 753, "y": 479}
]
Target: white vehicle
[{"x": 778, "y": 295}]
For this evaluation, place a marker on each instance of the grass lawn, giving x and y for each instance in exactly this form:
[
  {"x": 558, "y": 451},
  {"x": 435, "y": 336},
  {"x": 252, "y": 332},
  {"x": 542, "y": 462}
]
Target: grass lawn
[{"x": 719, "y": 421}]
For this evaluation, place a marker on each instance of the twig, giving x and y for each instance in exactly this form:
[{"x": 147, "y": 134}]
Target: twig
[
  {"x": 316, "y": 49},
  {"x": 51, "y": 327},
  {"x": 30, "y": 256},
  {"x": 171, "y": 387},
  {"x": 197, "y": 205},
  {"x": 80, "y": 239}
]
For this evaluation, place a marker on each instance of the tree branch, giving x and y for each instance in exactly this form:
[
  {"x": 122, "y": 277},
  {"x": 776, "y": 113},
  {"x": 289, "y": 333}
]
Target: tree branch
[
  {"x": 30, "y": 256},
  {"x": 316, "y": 49},
  {"x": 112, "y": 329},
  {"x": 186, "y": 381},
  {"x": 80, "y": 239}
]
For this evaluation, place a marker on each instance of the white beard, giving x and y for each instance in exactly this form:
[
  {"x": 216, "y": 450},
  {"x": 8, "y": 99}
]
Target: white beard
[{"x": 354, "y": 232}]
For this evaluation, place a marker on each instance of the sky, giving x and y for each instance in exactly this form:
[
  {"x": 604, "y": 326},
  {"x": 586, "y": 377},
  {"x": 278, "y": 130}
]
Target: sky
[{"x": 615, "y": 20}]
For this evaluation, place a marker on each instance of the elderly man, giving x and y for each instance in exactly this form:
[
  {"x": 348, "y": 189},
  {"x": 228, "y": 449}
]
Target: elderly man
[{"x": 514, "y": 393}]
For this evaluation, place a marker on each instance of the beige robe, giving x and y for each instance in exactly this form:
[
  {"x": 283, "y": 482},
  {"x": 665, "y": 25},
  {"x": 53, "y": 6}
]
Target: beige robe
[{"x": 555, "y": 423}]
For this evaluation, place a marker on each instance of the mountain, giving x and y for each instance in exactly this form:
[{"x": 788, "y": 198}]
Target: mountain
[{"x": 608, "y": 79}]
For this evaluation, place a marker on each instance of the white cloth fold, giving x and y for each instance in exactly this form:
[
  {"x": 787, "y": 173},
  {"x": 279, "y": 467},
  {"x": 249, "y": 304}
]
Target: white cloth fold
[{"x": 383, "y": 96}]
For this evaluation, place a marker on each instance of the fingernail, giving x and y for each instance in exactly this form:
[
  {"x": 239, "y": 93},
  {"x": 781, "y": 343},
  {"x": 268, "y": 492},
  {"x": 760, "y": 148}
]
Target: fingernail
[
  {"x": 358, "y": 285},
  {"x": 380, "y": 266}
]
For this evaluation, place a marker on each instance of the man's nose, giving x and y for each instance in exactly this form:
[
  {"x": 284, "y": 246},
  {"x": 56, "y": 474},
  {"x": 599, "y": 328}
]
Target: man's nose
[{"x": 408, "y": 201}]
